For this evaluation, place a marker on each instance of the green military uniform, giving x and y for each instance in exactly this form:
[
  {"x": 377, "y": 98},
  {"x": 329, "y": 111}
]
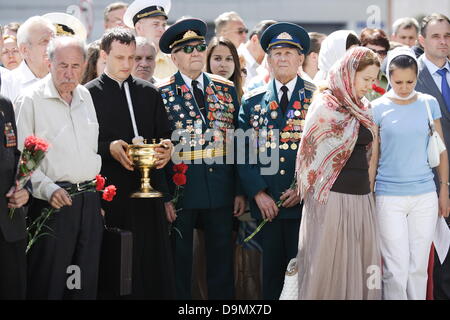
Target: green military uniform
[
  {"x": 274, "y": 130},
  {"x": 201, "y": 113}
]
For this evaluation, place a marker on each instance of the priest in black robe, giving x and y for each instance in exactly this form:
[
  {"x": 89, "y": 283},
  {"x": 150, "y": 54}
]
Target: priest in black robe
[{"x": 152, "y": 270}]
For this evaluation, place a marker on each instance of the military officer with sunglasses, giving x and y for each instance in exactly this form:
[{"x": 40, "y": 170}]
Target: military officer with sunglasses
[{"x": 201, "y": 108}]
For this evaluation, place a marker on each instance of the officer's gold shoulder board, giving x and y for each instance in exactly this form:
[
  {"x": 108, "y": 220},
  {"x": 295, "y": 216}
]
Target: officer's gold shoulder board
[
  {"x": 255, "y": 92},
  {"x": 309, "y": 86},
  {"x": 166, "y": 82},
  {"x": 220, "y": 79}
]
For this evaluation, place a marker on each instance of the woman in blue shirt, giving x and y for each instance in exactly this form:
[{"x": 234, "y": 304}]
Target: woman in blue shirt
[{"x": 407, "y": 203}]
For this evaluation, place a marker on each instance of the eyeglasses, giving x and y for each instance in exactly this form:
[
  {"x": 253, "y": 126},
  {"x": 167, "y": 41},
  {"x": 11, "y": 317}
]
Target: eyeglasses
[
  {"x": 190, "y": 48},
  {"x": 242, "y": 30},
  {"x": 244, "y": 71}
]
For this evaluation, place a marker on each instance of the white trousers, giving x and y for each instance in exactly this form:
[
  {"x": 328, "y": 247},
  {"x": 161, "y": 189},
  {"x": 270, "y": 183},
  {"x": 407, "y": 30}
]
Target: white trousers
[{"x": 406, "y": 225}]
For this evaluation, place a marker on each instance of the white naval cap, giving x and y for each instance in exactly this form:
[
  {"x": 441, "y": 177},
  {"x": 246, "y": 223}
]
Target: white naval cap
[
  {"x": 145, "y": 8},
  {"x": 67, "y": 24}
]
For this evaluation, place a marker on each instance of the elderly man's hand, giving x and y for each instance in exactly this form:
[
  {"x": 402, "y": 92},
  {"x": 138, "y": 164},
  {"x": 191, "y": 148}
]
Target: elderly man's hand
[
  {"x": 60, "y": 198},
  {"x": 17, "y": 198},
  {"x": 164, "y": 153}
]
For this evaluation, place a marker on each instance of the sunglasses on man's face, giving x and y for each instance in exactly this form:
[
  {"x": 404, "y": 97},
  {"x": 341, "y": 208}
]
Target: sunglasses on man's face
[{"x": 190, "y": 48}]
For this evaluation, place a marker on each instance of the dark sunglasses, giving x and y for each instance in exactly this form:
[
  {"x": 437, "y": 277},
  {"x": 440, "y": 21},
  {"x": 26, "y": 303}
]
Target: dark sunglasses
[
  {"x": 190, "y": 48},
  {"x": 380, "y": 52}
]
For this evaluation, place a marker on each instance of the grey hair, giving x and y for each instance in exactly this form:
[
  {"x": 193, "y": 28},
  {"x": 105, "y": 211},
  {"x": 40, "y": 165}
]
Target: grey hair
[
  {"x": 142, "y": 41},
  {"x": 65, "y": 41},
  {"x": 23, "y": 34},
  {"x": 112, "y": 7},
  {"x": 223, "y": 19},
  {"x": 405, "y": 23}
]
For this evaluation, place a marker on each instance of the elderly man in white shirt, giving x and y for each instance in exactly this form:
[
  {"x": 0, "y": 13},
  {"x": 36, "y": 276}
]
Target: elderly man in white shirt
[
  {"x": 33, "y": 37},
  {"x": 60, "y": 110}
]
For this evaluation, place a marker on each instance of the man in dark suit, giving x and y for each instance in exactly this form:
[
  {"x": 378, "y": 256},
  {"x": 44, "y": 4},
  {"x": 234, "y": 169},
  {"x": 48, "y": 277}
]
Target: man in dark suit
[
  {"x": 202, "y": 107},
  {"x": 276, "y": 113},
  {"x": 12, "y": 230},
  {"x": 434, "y": 79}
]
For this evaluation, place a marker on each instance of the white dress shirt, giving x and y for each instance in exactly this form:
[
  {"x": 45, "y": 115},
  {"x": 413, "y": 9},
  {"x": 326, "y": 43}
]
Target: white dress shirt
[
  {"x": 17, "y": 80},
  {"x": 3, "y": 73},
  {"x": 188, "y": 81},
  {"x": 250, "y": 63},
  {"x": 432, "y": 68},
  {"x": 71, "y": 130},
  {"x": 290, "y": 85}
]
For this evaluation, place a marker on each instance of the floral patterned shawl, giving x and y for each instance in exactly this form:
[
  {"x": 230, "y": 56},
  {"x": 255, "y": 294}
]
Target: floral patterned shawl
[{"x": 331, "y": 129}]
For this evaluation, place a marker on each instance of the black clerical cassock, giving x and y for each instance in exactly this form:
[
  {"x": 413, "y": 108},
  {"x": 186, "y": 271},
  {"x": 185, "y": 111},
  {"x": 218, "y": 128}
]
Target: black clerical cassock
[{"x": 145, "y": 218}]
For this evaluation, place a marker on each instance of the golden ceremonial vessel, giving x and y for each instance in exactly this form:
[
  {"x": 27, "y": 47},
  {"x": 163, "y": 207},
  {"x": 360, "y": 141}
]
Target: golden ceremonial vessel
[{"x": 143, "y": 157}]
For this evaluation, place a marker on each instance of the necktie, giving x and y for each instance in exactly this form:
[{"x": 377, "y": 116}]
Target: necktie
[
  {"x": 444, "y": 87},
  {"x": 199, "y": 97},
  {"x": 284, "y": 101}
]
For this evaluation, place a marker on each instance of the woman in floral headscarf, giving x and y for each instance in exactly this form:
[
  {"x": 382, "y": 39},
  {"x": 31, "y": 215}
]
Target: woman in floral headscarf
[{"x": 338, "y": 255}]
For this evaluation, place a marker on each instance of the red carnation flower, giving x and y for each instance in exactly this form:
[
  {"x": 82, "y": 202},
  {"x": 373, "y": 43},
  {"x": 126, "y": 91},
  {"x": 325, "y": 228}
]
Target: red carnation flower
[
  {"x": 179, "y": 179},
  {"x": 99, "y": 182},
  {"x": 180, "y": 168},
  {"x": 34, "y": 143},
  {"x": 109, "y": 193},
  {"x": 378, "y": 89}
]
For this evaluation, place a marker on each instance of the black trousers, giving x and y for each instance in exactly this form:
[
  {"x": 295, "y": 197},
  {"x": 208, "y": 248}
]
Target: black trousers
[
  {"x": 217, "y": 225},
  {"x": 279, "y": 241},
  {"x": 12, "y": 269},
  {"x": 74, "y": 240},
  {"x": 441, "y": 278}
]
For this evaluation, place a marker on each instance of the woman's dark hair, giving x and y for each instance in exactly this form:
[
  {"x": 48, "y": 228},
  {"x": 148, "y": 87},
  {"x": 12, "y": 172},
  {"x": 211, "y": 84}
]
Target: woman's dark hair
[
  {"x": 403, "y": 62},
  {"x": 93, "y": 53},
  {"x": 351, "y": 41},
  {"x": 374, "y": 37},
  {"x": 236, "y": 77}
]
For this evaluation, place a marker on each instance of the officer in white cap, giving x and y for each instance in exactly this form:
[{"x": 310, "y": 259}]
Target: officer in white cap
[
  {"x": 149, "y": 19},
  {"x": 67, "y": 25}
]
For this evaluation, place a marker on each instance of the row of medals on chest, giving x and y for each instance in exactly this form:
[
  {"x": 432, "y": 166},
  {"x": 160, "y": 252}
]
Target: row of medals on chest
[
  {"x": 220, "y": 114},
  {"x": 291, "y": 132}
]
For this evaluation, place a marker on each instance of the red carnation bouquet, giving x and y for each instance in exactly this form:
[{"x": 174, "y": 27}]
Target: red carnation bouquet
[
  {"x": 95, "y": 185},
  {"x": 32, "y": 155},
  {"x": 179, "y": 179}
]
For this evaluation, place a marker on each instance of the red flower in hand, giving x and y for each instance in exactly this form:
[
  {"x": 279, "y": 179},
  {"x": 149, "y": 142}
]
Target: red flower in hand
[
  {"x": 109, "y": 193},
  {"x": 99, "y": 182},
  {"x": 180, "y": 168},
  {"x": 34, "y": 143},
  {"x": 179, "y": 179}
]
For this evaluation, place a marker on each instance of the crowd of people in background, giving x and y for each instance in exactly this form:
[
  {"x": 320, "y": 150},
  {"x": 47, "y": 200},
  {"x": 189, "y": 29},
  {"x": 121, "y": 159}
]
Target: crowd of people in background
[{"x": 346, "y": 114}]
